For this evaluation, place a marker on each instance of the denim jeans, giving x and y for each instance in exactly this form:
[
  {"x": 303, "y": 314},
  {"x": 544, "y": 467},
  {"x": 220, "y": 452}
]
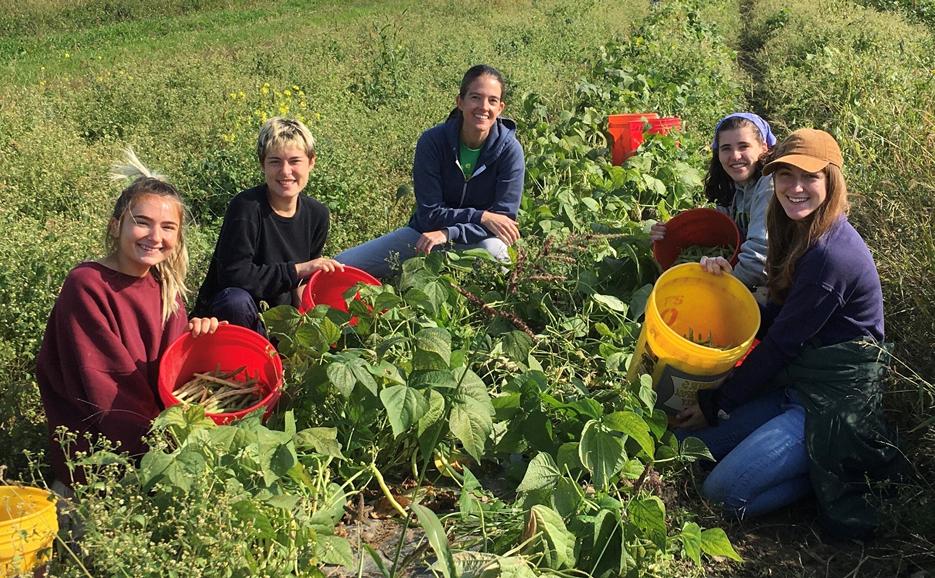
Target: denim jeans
[
  {"x": 378, "y": 256},
  {"x": 762, "y": 462},
  {"x": 237, "y": 306}
]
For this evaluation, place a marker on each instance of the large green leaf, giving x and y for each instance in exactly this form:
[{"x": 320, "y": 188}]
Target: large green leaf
[
  {"x": 610, "y": 302},
  {"x": 691, "y": 541},
  {"x": 437, "y": 538},
  {"x": 631, "y": 424},
  {"x": 516, "y": 346},
  {"x": 342, "y": 377},
  {"x": 601, "y": 452},
  {"x": 714, "y": 542},
  {"x": 435, "y": 409},
  {"x": 693, "y": 448},
  {"x": 404, "y": 407},
  {"x": 541, "y": 474},
  {"x": 334, "y": 550},
  {"x": 649, "y": 516},
  {"x": 323, "y": 440},
  {"x": 556, "y": 543},
  {"x": 471, "y": 423},
  {"x": 433, "y": 349}
]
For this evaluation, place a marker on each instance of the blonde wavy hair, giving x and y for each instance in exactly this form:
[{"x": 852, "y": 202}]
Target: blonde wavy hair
[{"x": 172, "y": 271}]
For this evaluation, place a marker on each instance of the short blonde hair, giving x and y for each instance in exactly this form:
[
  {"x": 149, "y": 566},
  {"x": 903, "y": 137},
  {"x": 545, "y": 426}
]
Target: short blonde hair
[{"x": 278, "y": 133}]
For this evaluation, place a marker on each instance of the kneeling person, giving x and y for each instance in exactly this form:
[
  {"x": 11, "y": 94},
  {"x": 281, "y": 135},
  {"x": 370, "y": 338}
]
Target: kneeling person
[{"x": 272, "y": 237}]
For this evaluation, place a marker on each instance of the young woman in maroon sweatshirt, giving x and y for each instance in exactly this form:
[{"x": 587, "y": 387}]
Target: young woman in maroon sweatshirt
[{"x": 113, "y": 319}]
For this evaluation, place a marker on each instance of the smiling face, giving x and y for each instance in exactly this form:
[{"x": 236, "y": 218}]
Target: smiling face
[
  {"x": 147, "y": 235},
  {"x": 286, "y": 170},
  {"x": 738, "y": 150},
  {"x": 481, "y": 104},
  {"x": 799, "y": 192}
]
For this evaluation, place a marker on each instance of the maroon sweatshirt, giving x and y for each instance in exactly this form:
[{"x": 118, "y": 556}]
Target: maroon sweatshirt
[{"x": 99, "y": 359}]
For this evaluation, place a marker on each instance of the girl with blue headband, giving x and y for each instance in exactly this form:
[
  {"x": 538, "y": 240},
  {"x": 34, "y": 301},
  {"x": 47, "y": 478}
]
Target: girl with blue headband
[{"x": 735, "y": 183}]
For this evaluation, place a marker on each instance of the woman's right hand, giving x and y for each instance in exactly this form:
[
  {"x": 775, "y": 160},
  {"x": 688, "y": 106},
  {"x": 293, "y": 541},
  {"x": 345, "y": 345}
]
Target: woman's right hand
[
  {"x": 501, "y": 226},
  {"x": 658, "y": 231},
  {"x": 304, "y": 270}
]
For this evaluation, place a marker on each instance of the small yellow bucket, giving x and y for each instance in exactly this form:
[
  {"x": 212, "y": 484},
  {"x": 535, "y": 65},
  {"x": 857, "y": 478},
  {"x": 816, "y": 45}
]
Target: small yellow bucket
[
  {"x": 28, "y": 524},
  {"x": 687, "y": 305}
]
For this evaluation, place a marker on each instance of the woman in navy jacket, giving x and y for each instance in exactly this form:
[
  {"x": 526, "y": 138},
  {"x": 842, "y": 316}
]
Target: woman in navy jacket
[{"x": 468, "y": 177}]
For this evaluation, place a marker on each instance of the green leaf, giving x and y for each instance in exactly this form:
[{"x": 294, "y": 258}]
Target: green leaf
[
  {"x": 649, "y": 515},
  {"x": 541, "y": 474},
  {"x": 471, "y": 423},
  {"x": 691, "y": 541},
  {"x": 404, "y": 406},
  {"x": 362, "y": 374},
  {"x": 647, "y": 392},
  {"x": 516, "y": 346},
  {"x": 638, "y": 301},
  {"x": 693, "y": 448},
  {"x": 342, "y": 377},
  {"x": 556, "y": 543},
  {"x": 610, "y": 302},
  {"x": 323, "y": 440},
  {"x": 714, "y": 542},
  {"x": 334, "y": 550},
  {"x": 435, "y": 409},
  {"x": 437, "y": 293},
  {"x": 566, "y": 497},
  {"x": 433, "y": 349},
  {"x": 437, "y": 538},
  {"x": 601, "y": 453},
  {"x": 634, "y": 426}
]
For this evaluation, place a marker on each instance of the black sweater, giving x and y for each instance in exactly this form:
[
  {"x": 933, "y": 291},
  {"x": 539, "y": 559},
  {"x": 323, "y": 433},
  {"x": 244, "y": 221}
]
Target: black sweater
[{"x": 257, "y": 249}]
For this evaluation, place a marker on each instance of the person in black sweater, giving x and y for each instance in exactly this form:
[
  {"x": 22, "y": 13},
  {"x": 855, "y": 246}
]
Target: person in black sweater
[{"x": 272, "y": 237}]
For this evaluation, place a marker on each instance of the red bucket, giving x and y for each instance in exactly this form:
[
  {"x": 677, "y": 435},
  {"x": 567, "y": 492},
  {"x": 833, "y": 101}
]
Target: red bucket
[
  {"x": 328, "y": 288},
  {"x": 227, "y": 349},
  {"x": 627, "y": 132},
  {"x": 705, "y": 227}
]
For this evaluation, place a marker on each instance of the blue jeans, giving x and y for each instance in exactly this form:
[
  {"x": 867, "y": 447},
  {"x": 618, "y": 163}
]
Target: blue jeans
[
  {"x": 378, "y": 256},
  {"x": 237, "y": 306},
  {"x": 762, "y": 459}
]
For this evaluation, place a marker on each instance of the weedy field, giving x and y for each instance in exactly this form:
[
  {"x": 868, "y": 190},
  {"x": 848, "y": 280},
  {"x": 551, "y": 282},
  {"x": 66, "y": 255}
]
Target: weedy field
[{"x": 480, "y": 417}]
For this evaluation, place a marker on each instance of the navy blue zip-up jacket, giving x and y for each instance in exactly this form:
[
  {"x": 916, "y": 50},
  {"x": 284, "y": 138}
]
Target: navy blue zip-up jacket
[{"x": 446, "y": 200}]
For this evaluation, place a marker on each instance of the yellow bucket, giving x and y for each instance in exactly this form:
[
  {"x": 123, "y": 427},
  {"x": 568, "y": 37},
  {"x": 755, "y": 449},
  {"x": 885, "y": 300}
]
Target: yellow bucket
[
  {"x": 688, "y": 302},
  {"x": 28, "y": 524}
]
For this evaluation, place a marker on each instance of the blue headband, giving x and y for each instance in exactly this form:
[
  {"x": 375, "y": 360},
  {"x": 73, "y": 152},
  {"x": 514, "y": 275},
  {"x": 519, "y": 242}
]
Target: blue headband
[{"x": 768, "y": 137}]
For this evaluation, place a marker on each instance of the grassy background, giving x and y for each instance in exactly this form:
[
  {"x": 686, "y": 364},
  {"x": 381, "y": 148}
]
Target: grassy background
[{"x": 186, "y": 84}]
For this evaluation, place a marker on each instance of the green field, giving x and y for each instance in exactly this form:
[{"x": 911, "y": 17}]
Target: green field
[{"x": 187, "y": 83}]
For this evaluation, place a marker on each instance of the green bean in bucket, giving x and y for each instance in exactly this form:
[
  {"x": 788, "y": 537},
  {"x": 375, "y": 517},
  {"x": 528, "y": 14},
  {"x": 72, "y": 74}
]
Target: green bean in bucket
[
  {"x": 221, "y": 391},
  {"x": 694, "y": 253}
]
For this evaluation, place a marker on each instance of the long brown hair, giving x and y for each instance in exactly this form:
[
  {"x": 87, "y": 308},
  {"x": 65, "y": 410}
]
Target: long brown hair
[
  {"x": 718, "y": 186},
  {"x": 788, "y": 239}
]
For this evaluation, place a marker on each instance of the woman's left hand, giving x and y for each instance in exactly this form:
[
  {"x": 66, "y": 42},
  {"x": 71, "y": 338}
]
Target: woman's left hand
[
  {"x": 201, "y": 325},
  {"x": 690, "y": 418},
  {"x": 716, "y": 265},
  {"x": 430, "y": 240}
]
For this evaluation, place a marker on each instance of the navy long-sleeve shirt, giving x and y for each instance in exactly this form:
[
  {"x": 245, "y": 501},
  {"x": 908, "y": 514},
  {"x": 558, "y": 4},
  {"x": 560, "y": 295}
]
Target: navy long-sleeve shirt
[
  {"x": 445, "y": 200},
  {"x": 835, "y": 297},
  {"x": 257, "y": 249}
]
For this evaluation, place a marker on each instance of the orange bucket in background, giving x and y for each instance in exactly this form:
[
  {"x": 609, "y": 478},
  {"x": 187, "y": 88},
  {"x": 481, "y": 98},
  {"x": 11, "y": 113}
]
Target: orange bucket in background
[
  {"x": 704, "y": 227},
  {"x": 328, "y": 288},
  {"x": 626, "y": 130},
  {"x": 227, "y": 349},
  {"x": 28, "y": 524},
  {"x": 685, "y": 302}
]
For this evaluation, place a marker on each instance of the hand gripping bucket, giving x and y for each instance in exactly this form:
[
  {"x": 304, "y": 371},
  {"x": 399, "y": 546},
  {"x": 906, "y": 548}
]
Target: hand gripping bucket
[
  {"x": 328, "y": 288},
  {"x": 227, "y": 349},
  {"x": 705, "y": 227},
  {"x": 688, "y": 301},
  {"x": 28, "y": 524}
]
